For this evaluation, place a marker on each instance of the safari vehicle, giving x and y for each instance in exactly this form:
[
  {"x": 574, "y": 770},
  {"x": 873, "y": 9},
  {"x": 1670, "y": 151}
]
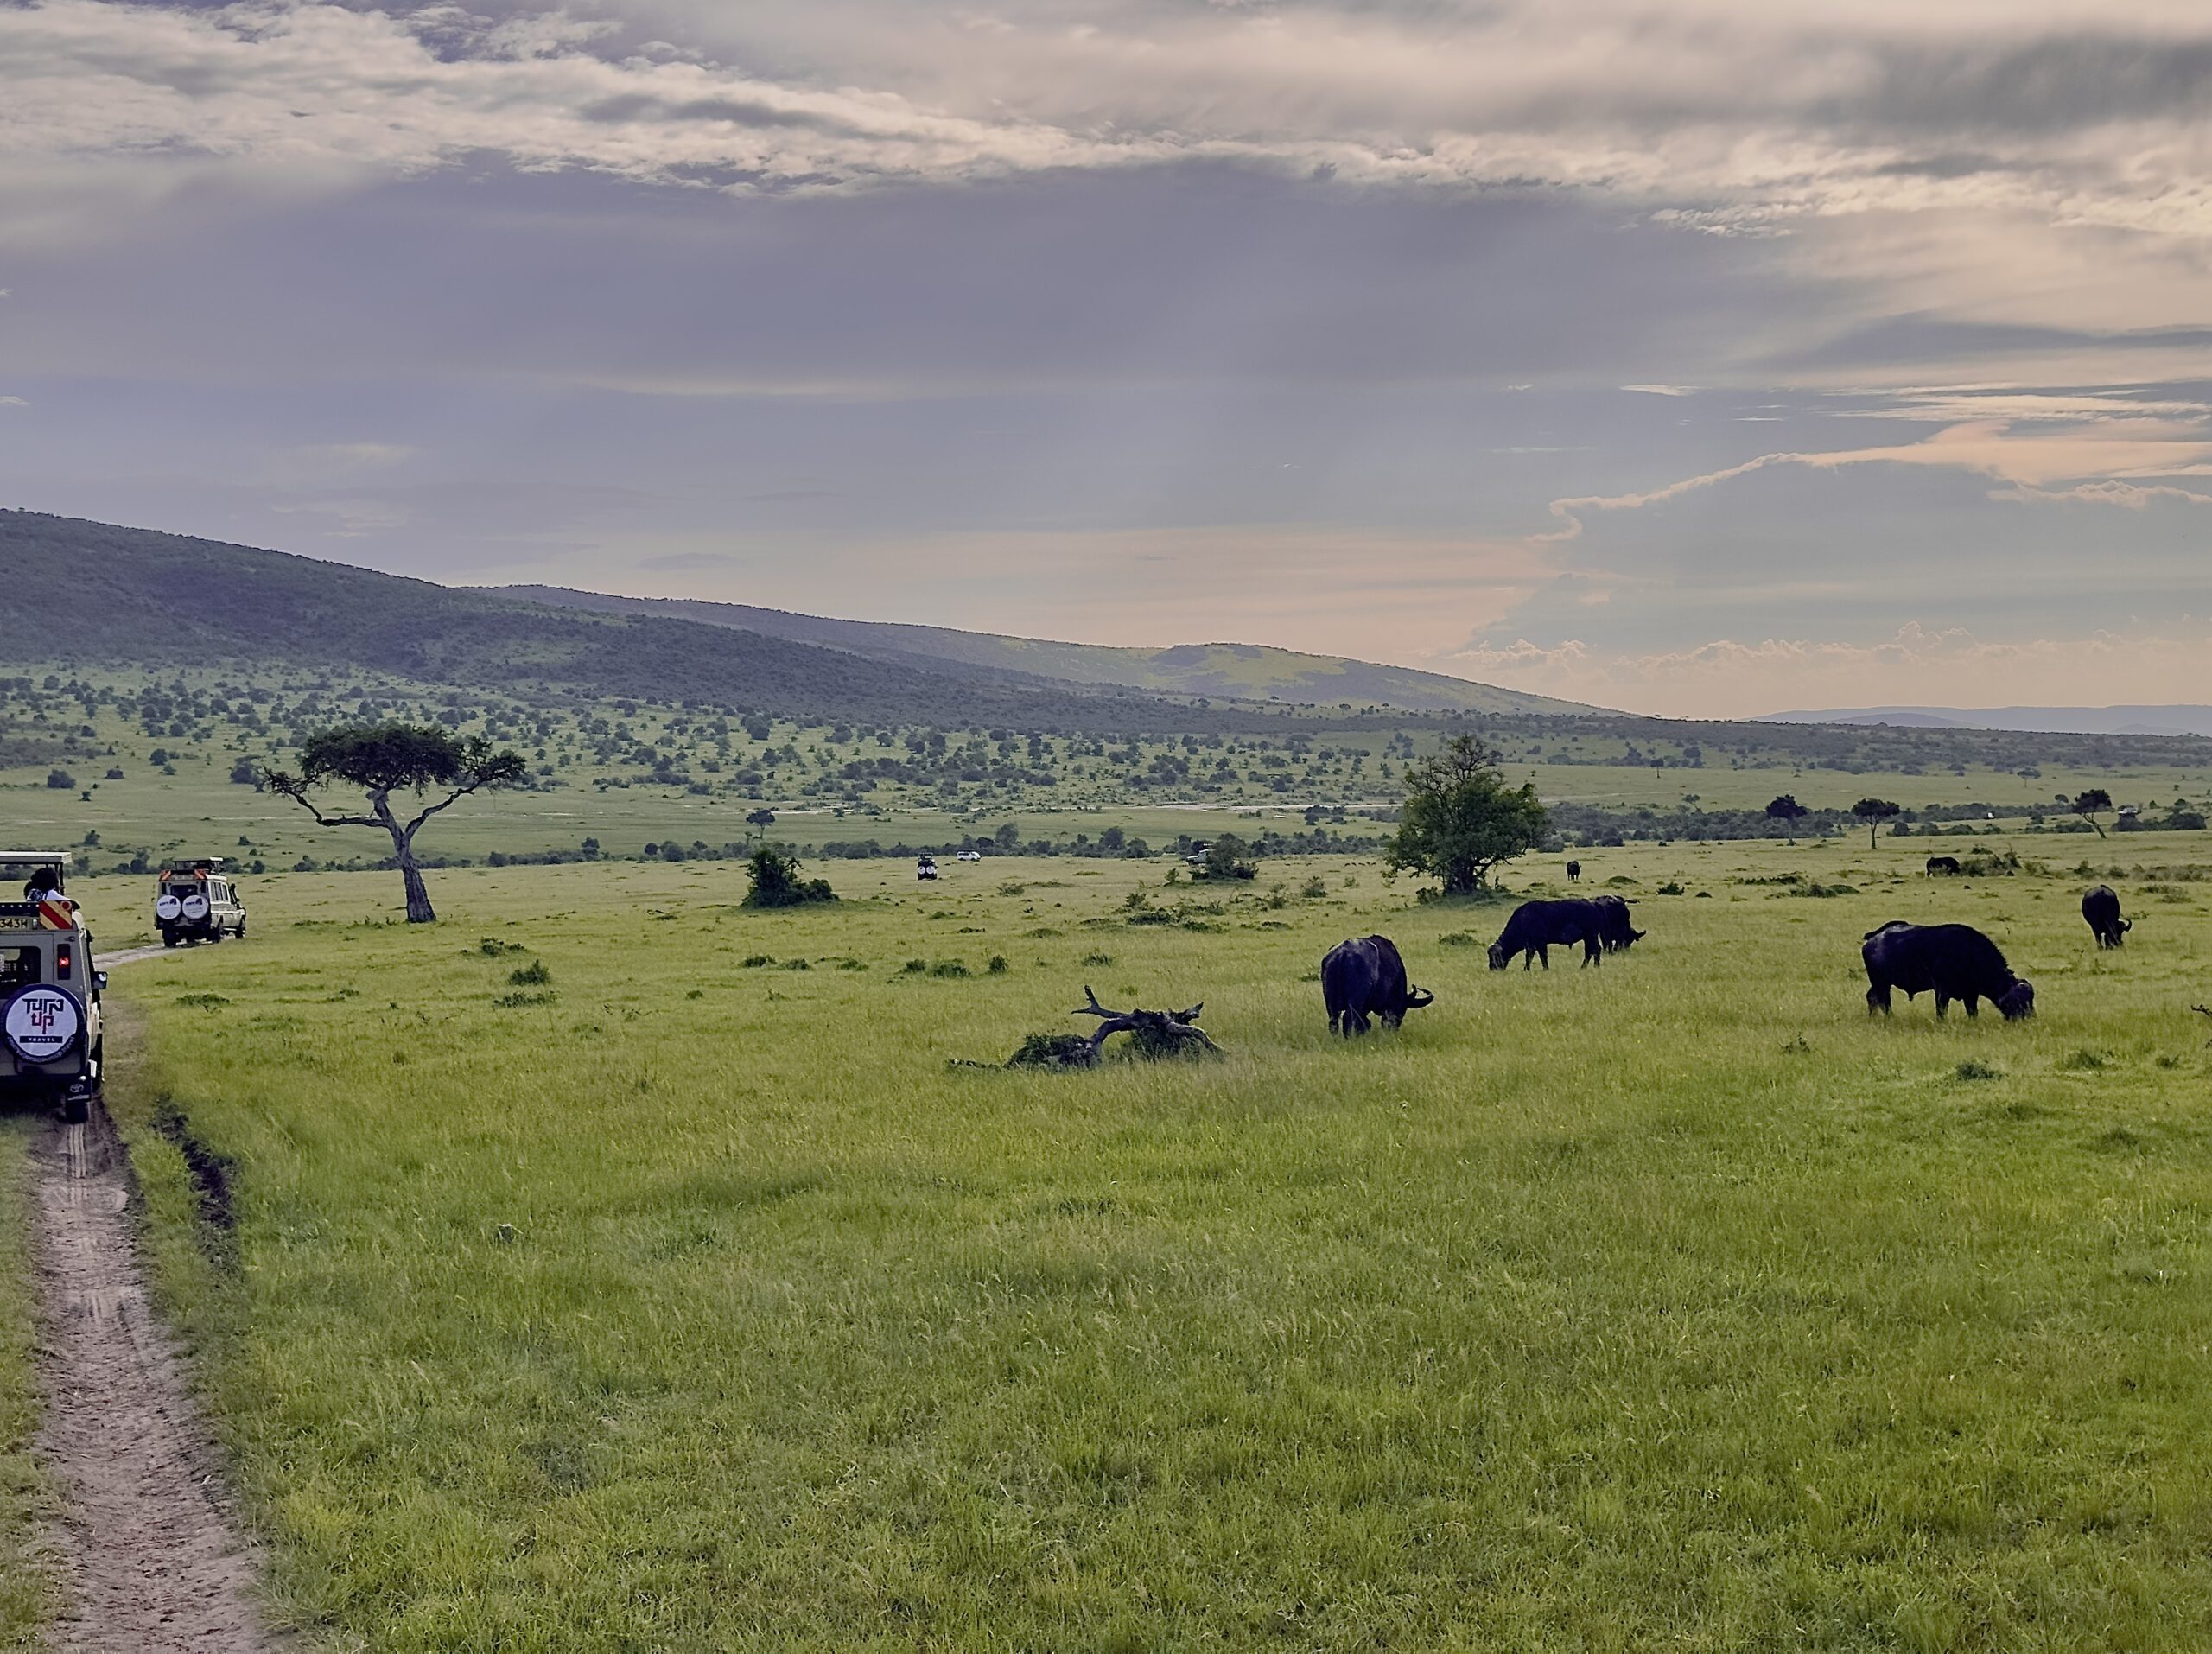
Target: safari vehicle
[
  {"x": 194, "y": 902},
  {"x": 925, "y": 867},
  {"x": 50, "y": 1043}
]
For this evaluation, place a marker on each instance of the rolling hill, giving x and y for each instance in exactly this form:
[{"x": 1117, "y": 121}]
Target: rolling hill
[
  {"x": 140, "y": 598},
  {"x": 1242, "y": 671}
]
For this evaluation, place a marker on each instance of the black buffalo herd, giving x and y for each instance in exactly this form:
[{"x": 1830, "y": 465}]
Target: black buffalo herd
[{"x": 1364, "y": 978}]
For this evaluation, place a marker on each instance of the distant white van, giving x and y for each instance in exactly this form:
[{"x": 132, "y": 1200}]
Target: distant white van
[{"x": 969, "y": 856}]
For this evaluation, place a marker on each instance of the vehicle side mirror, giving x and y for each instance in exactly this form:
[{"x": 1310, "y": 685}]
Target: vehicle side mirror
[{"x": 99, "y": 980}]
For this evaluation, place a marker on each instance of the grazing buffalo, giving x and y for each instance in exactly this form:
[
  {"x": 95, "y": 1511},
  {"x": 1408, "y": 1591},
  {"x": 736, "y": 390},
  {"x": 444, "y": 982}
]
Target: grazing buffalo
[
  {"x": 1536, "y": 927},
  {"x": 1953, "y": 961},
  {"x": 1943, "y": 864},
  {"x": 2101, "y": 908},
  {"x": 1365, "y": 977},
  {"x": 1573, "y": 871},
  {"x": 1617, "y": 932}
]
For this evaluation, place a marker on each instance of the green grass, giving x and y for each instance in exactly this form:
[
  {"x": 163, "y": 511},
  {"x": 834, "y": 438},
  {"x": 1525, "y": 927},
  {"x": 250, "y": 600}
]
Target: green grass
[
  {"x": 1671, "y": 1304},
  {"x": 26, "y": 1588}
]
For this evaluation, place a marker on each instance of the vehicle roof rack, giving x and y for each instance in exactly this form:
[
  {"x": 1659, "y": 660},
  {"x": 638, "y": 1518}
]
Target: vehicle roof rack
[{"x": 34, "y": 858}]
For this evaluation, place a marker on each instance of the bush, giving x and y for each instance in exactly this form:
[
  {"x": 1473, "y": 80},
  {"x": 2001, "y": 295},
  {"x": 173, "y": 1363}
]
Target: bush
[
  {"x": 533, "y": 975},
  {"x": 776, "y": 882},
  {"x": 60, "y": 780}
]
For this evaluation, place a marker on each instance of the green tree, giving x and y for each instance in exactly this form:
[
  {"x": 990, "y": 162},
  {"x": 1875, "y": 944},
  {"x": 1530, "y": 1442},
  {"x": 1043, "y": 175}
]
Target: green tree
[
  {"x": 1231, "y": 857},
  {"x": 1787, "y": 811},
  {"x": 1873, "y": 812},
  {"x": 1461, "y": 820},
  {"x": 387, "y": 758},
  {"x": 2086, "y": 805},
  {"x": 776, "y": 882}
]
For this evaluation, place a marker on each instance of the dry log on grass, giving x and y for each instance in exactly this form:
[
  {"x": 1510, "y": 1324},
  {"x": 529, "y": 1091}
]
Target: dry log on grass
[{"x": 1152, "y": 1033}]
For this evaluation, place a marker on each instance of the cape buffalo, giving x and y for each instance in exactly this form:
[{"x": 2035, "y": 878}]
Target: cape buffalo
[
  {"x": 1573, "y": 871},
  {"x": 1616, "y": 930},
  {"x": 2101, "y": 908},
  {"x": 1943, "y": 864},
  {"x": 1365, "y": 977},
  {"x": 1538, "y": 926},
  {"x": 1953, "y": 961}
]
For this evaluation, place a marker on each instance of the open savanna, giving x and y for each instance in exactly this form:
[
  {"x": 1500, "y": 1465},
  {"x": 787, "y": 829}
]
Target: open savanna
[{"x": 581, "y": 1273}]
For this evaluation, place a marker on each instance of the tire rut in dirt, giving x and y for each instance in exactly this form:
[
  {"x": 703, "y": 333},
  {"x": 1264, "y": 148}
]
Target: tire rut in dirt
[{"x": 155, "y": 1563}]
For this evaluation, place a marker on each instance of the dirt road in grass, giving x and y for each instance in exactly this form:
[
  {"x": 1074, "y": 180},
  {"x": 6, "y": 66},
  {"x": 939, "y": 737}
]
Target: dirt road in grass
[{"x": 154, "y": 1561}]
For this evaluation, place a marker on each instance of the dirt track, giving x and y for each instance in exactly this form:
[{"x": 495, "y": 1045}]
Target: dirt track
[{"x": 154, "y": 1563}]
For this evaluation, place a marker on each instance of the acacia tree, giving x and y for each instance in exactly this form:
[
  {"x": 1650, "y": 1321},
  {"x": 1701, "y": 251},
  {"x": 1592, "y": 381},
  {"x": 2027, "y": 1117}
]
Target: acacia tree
[
  {"x": 387, "y": 758},
  {"x": 1786, "y": 809},
  {"x": 2086, "y": 805},
  {"x": 1873, "y": 812},
  {"x": 1460, "y": 818}
]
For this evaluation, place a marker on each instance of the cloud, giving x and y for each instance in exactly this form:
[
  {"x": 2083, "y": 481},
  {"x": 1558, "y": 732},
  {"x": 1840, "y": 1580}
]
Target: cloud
[
  {"x": 688, "y": 562},
  {"x": 2128, "y": 495},
  {"x": 2100, "y": 448},
  {"x": 1729, "y": 677},
  {"x": 1950, "y": 135},
  {"x": 1662, "y": 390},
  {"x": 13, "y": 402}
]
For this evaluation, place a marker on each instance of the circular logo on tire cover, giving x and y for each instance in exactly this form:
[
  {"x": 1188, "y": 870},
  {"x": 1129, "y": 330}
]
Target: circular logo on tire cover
[
  {"x": 195, "y": 906},
  {"x": 41, "y": 1024},
  {"x": 168, "y": 908}
]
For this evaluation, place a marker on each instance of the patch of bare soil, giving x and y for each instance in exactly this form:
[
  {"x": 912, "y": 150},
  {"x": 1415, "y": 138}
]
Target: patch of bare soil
[{"x": 154, "y": 1564}]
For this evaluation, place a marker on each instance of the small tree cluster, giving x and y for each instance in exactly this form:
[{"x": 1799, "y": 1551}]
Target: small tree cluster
[{"x": 776, "y": 882}]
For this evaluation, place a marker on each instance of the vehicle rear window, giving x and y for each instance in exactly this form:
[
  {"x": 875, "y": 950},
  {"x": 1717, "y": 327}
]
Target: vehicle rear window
[{"x": 19, "y": 966}]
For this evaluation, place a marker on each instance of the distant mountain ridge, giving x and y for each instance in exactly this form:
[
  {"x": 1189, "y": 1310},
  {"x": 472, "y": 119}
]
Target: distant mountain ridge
[
  {"x": 138, "y": 597},
  {"x": 2181, "y": 720},
  {"x": 1238, "y": 671}
]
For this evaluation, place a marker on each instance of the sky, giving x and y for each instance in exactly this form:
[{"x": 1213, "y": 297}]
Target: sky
[{"x": 1698, "y": 357}]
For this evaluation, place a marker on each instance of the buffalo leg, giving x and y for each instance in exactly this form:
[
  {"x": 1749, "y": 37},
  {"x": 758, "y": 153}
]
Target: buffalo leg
[
  {"x": 1943, "y": 1004},
  {"x": 1974, "y": 1005},
  {"x": 1877, "y": 999}
]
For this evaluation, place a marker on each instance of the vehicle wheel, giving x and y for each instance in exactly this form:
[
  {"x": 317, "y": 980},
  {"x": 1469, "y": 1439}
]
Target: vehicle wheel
[{"x": 169, "y": 938}]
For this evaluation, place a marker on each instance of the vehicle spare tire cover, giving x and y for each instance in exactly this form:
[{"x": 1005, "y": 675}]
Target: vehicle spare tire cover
[
  {"x": 166, "y": 907},
  {"x": 41, "y": 1024},
  {"x": 195, "y": 906}
]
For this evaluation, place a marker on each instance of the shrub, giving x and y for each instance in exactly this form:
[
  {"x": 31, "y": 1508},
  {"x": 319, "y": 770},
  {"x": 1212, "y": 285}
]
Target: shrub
[
  {"x": 758, "y": 961},
  {"x": 60, "y": 780},
  {"x": 776, "y": 882},
  {"x": 533, "y": 975},
  {"x": 1972, "y": 1070},
  {"x": 998, "y": 966}
]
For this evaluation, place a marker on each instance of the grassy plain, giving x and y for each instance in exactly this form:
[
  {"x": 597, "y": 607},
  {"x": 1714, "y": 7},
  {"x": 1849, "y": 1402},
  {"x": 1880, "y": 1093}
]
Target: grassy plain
[
  {"x": 687, "y": 1300},
  {"x": 26, "y": 1601}
]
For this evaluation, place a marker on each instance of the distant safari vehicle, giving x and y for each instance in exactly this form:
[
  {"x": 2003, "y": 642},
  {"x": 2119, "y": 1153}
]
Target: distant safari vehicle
[
  {"x": 969, "y": 856},
  {"x": 194, "y": 902},
  {"x": 50, "y": 1044},
  {"x": 925, "y": 867}
]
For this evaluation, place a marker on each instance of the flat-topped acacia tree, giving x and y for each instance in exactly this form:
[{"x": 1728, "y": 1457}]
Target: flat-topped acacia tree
[{"x": 387, "y": 758}]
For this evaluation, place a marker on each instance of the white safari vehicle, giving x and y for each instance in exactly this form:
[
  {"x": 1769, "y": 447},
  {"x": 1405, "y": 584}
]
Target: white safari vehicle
[
  {"x": 50, "y": 1045},
  {"x": 194, "y": 902}
]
